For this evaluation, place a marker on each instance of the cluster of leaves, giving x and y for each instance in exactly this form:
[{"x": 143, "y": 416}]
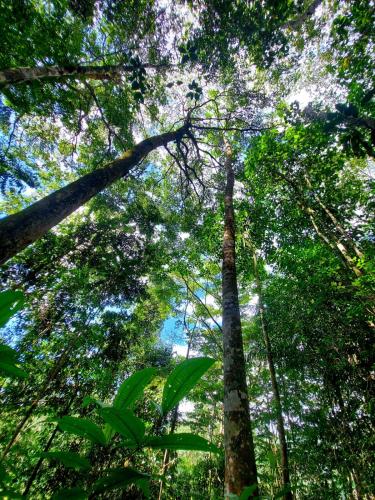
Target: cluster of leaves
[
  {"x": 119, "y": 418},
  {"x": 100, "y": 286},
  {"x": 138, "y": 78},
  {"x": 10, "y": 303}
]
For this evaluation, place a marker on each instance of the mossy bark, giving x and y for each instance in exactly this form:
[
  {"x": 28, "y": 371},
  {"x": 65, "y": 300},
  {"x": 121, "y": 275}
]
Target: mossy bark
[
  {"x": 23, "y": 228},
  {"x": 17, "y": 76},
  {"x": 240, "y": 466}
]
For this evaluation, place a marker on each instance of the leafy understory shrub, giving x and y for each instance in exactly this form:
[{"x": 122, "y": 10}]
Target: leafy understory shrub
[{"x": 120, "y": 419}]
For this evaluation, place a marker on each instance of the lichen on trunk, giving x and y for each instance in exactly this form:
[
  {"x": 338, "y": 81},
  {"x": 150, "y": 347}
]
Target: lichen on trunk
[{"x": 240, "y": 466}]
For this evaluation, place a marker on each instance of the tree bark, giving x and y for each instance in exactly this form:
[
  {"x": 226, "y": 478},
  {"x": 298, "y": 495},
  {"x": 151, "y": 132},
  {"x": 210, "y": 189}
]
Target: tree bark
[
  {"x": 16, "y": 76},
  {"x": 20, "y": 230},
  {"x": 240, "y": 465},
  {"x": 275, "y": 388}
]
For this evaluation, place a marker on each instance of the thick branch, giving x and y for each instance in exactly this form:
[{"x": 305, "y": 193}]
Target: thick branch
[
  {"x": 20, "y": 230},
  {"x": 16, "y": 76}
]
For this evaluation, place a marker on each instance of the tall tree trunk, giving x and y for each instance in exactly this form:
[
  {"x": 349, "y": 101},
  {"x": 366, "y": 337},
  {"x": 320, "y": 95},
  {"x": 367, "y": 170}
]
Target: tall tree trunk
[
  {"x": 240, "y": 466},
  {"x": 16, "y": 76},
  {"x": 275, "y": 388},
  {"x": 20, "y": 230}
]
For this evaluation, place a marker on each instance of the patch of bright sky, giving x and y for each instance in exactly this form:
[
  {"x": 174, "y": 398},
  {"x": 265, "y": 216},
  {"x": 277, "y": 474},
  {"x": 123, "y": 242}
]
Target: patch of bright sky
[
  {"x": 172, "y": 332},
  {"x": 302, "y": 96}
]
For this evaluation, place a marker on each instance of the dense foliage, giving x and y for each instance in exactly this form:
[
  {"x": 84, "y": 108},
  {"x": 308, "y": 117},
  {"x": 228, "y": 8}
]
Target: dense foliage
[{"x": 111, "y": 353}]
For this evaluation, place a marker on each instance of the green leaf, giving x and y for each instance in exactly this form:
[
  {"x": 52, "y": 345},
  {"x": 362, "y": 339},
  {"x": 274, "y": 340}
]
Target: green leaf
[
  {"x": 10, "y": 303},
  {"x": 182, "y": 441},
  {"x": 12, "y": 371},
  {"x": 82, "y": 427},
  {"x": 8, "y": 358},
  {"x": 182, "y": 379},
  {"x": 9, "y": 495},
  {"x": 144, "y": 486},
  {"x": 7, "y": 354},
  {"x": 132, "y": 388},
  {"x": 75, "y": 493},
  {"x": 69, "y": 459},
  {"x": 118, "y": 478},
  {"x": 249, "y": 490},
  {"x": 124, "y": 422}
]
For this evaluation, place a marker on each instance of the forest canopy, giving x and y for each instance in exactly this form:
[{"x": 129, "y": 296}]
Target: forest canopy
[{"x": 187, "y": 275}]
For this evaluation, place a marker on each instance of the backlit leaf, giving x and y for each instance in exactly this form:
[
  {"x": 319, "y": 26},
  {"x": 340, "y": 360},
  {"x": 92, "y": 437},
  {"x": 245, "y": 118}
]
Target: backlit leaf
[
  {"x": 82, "y": 427},
  {"x": 69, "y": 459},
  {"x": 182, "y": 379},
  {"x": 124, "y": 422}
]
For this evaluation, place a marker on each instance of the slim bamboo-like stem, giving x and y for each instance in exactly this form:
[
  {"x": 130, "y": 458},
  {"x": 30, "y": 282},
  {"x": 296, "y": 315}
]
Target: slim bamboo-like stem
[
  {"x": 173, "y": 427},
  {"x": 275, "y": 387},
  {"x": 51, "y": 376}
]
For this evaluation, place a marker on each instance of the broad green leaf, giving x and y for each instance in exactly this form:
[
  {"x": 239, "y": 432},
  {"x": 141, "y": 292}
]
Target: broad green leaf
[
  {"x": 10, "y": 303},
  {"x": 272, "y": 460},
  {"x": 69, "y": 459},
  {"x": 249, "y": 490},
  {"x": 118, "y": 478},
  {"x": 124, "y": 422},
  {"x": 74, "y": 493},
  {"x": 82, "y": 427},
  {"x": 181, "y": 441},
  {"x": 9, "y": 495},
  {"x": 132, "y": 388},
  {"x": 7, "y": 354},
  {"x": 144, "y": 486},
  {"x": 8, "y": 370},
  {"x": 182, "y": 379}
]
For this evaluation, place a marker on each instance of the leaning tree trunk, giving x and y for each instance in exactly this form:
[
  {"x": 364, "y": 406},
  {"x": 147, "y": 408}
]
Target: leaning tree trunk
[
  {"x": 240, "y": 466},
  {"x": 16, "y": 76},
  {"x": 336, "y": 224},
  {"x": 327, "y": 236},
  {"x": 20, "y": 230},
  {"x": 275, "y": 389}
]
